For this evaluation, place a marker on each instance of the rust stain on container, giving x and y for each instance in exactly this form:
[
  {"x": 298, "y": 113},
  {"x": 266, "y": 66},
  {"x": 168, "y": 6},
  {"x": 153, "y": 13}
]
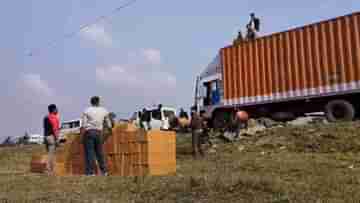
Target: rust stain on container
[{"x": 311, "y": 59}]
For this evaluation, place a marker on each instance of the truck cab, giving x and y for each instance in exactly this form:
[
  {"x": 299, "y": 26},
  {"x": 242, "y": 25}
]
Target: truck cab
[{"x": 209, "y": 88}]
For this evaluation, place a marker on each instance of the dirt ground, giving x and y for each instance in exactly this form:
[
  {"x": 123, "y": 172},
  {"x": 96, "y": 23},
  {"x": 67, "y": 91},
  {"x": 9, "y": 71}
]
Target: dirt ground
[{"x": 313, "y": 163}]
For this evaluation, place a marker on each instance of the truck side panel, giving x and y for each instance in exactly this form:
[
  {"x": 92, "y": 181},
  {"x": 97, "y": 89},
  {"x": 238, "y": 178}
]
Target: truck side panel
[{"x": 315, "y": 60}]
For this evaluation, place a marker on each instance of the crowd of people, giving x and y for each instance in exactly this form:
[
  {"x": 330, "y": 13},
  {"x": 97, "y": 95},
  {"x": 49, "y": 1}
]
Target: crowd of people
[
  {"x": 95, "y": 119},
  {"x": 252, "y": 30}
]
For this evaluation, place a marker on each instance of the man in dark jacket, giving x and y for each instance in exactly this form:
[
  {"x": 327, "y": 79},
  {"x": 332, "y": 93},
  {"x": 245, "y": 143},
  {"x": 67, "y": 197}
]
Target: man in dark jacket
[
  {"x": 183, "y": 114},
  {"x": 196, "y": 125}
]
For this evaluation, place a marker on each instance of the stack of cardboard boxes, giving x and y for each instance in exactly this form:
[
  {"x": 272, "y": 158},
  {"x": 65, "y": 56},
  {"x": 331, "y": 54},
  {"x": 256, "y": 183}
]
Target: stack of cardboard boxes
[
  {"x": 138, "y": 153},
  {"x": 128, "y": 151}
]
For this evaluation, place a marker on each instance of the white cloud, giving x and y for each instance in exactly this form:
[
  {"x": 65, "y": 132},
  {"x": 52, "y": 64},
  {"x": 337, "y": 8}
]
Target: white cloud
[
  {"x": 122, "y": 76},
  {"x": 171, "y": 80},
  {"x": 37, "y": 86},
  {"x": 32, "y": 89},
  {"x": 153, "y": 56},
  {"x": 98, "y": 34},
  {"x": 117, "y": 76},
  {"x": 143, "y": 74}
]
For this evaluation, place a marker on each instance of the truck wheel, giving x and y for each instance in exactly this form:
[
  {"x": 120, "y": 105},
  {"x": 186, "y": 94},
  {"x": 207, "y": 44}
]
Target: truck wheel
[{"x": 339, "y": 110}]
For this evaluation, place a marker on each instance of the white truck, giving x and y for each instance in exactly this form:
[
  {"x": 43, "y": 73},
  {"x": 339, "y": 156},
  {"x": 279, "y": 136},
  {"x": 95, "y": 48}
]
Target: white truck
[
  {"x": 160, "y": 119},
  {"x": 36, "y": 139},
  {"x": 69, "y": 127}
]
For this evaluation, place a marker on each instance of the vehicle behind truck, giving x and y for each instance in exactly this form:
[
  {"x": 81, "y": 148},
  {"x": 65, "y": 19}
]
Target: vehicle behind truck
[
  {"x": 286, "y": 75},
  {"x": 70, "y": 127},
  {"x": 160, "y": 119}
]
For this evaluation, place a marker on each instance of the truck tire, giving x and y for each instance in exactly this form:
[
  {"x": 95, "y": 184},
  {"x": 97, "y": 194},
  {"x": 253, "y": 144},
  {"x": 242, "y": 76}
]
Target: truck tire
[{"x": 339, "y": 110}]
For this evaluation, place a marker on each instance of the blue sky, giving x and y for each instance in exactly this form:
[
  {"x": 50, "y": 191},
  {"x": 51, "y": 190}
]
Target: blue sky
[{"x": 147, "y": 53}]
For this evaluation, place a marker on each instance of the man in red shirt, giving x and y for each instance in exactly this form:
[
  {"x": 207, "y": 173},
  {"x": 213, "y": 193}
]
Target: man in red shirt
[{"x": 51, "y": 132}]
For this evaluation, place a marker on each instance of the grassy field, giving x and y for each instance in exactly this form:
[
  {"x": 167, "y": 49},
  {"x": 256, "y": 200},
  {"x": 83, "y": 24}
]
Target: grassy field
[{"x": 317, "y": 163}]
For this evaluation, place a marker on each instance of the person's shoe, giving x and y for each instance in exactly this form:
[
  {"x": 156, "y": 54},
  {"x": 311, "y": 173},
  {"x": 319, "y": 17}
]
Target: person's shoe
[
  {"x": 105, "y": 174},
  {"x": 90, "y": 175}
]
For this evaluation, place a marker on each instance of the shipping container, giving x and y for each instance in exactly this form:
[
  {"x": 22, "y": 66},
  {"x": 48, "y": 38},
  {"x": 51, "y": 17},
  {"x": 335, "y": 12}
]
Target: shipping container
[{"x": 314, "y": 67}]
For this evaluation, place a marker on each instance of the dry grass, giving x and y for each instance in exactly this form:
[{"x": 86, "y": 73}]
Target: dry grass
[{"x": 313, "y": 164}]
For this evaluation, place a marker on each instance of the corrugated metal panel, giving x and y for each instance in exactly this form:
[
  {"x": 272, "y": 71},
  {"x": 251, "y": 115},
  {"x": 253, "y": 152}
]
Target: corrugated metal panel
[
  {"x": 269, "y": 79},
  {"x": 355, "y": 38},
  {"x": 240, "y": 69},
  {"x": 244, "y": 58},
  {"x": 236, "y": 93},
  {"x": 226, "y": 71},
  {"x": 262, "y": 69},
  {"x": 250, "y": 69},
  {"x": 312, "y": 60}
]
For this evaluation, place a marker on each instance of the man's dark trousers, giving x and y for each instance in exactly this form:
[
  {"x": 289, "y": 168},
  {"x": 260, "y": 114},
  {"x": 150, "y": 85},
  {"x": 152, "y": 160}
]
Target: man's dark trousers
[
  {"x": 93, "y": 145},
  {"x": 196, "y": 142}
]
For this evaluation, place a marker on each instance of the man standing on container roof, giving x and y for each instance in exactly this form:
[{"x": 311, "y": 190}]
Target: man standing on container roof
[
  {"x": 93, "y": 120},
  {"x": 253, "y": 27}
]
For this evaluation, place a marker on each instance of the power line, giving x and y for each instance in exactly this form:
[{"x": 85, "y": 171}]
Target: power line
[{"x": 84, "y": 27}]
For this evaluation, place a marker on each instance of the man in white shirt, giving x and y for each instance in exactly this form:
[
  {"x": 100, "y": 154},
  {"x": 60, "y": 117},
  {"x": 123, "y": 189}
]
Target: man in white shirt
[{"x": 93, "y": 120}]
